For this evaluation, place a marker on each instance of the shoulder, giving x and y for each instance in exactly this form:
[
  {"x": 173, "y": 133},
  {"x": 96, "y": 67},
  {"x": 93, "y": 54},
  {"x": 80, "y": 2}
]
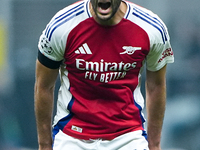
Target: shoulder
[
  {"x": 141, "y": 12},
  {"x": 53, "y": 39},
  {"x": 148, "y": 21},
  {"x": 66, "y": 19}
]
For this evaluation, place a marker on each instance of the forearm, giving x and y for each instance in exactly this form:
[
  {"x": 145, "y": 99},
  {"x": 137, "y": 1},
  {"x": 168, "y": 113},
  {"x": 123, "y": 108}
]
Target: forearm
[
  {"x": 155, "y": 105},
  {"x": 43, "y": 113},
  {"x": 156, "y": 99}
]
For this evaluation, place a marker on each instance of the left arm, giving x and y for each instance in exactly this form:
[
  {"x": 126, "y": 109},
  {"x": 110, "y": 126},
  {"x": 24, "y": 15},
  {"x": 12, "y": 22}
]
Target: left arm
[{"x": 155, "y": 103}]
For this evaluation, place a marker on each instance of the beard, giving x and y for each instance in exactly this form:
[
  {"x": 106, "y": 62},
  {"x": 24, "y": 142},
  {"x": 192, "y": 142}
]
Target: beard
[{"x": 105, "y": 9}]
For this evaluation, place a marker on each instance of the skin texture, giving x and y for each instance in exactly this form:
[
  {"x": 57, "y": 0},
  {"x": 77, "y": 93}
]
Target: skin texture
[
  {"x": 44, "y": 94},
  {"x": 46, "y": 78},
  {"x": 155, "y": 104}
]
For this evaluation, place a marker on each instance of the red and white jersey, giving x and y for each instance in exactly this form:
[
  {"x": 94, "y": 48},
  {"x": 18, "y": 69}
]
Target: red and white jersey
[{"x": 101, "y": 68}]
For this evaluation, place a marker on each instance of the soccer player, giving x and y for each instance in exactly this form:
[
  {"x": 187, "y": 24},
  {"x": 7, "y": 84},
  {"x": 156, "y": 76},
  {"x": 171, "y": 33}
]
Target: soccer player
[{"x": 99, "y": 48}]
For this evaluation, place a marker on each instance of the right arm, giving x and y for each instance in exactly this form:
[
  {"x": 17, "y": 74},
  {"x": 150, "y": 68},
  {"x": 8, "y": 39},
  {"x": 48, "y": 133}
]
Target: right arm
[{"x": 44, "y": 97}]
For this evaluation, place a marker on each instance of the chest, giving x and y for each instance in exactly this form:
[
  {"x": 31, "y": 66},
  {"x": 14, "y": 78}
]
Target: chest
[{"x": 120, "y": 48}]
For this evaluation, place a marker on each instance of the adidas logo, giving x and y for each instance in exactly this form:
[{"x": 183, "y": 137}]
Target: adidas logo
[{"x": 84, "y": 49}]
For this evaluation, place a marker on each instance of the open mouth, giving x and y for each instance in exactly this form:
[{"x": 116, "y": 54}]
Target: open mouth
[{"x": 104, "y": 6}]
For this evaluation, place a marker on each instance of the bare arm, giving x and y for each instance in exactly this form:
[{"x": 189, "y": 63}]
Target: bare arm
[
  {"x": 44, "y": 95},
  {"x": 155, "y": 99}
]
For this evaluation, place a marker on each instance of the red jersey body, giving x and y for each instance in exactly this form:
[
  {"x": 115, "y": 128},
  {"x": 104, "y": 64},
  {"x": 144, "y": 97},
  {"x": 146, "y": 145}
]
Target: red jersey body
[{"x": 101, "y": 68}]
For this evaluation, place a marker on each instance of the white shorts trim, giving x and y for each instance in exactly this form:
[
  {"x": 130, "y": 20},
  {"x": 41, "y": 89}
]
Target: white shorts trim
[{"x": 129, "y": 141}]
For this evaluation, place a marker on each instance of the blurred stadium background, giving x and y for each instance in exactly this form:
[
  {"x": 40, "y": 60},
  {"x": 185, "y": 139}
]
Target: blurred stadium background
[{"x": 21, "y": 23}]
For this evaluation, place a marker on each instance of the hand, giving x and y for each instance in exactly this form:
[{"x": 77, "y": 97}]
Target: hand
[
  {"x": 50, "y": 148},
  {"x": 155, "y": 148},
  {"x": 45, "y": 147}
]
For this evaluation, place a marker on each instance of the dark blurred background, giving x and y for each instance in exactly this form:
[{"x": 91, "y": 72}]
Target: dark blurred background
[{"x": 21, "y": 24}]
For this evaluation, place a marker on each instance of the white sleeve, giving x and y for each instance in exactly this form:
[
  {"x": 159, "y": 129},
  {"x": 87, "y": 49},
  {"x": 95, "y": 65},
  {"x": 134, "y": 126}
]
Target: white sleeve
[
  {"x": 52, "y": 49},
  {"x": 52, "y": 41},
  {"x": 160, "y": 54}
]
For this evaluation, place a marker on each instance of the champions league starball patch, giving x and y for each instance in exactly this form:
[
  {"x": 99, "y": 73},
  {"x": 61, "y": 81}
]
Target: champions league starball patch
[{"x": 45, "y": 45}]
